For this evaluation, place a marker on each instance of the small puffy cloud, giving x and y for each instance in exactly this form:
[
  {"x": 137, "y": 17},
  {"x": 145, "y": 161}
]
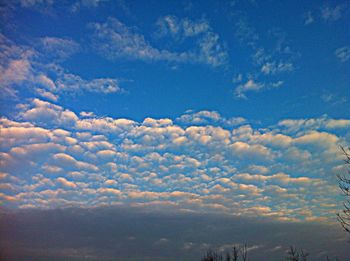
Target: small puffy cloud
[
  {"x": 66, "y": 161},
  {"x": 208, "y": 117},
  {"x": 64, "y": 182},
  {"x": 317, "y": 138},
  {"x": 86, "y": 114},
  {"x": 43, "y": 112},
  {"x": 149, "y": 122},
  {"x": 242, "y": 150},
  {"x": 110, "y": 191},
  {"x": 248, "y": 86}
]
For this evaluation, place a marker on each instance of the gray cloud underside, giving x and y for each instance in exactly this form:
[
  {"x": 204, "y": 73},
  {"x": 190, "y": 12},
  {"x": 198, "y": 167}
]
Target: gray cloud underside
[{"x": 138, "y": 234}]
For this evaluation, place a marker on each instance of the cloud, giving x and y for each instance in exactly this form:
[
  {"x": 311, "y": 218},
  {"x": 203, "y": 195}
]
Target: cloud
[
  {"x": 66, "y": 183},
  {"x": 323, "y": 122},
  {"x": 115, "y": 40},
  {"x": 47, "y": 113},
  {"x": 274, "y": 68},
  {"x": 309, "y": 19},
  {"x": 333, "y": 98},
  {"x": 333, "y": 13},
  {"x": 242, "y": 149},
  {"x": 343, "y": 53},
  {"x": 37, "y": 69},
  {"x": 199, "y": 163},
  {"x": 66, "y": 161},
  {"x": 75, "y": 84},
  {"x": 182, "y": 28},
  {"x": 318, "y": 139},
  {"x": 267, "y": 62},
  {"x": 208, "y": 48},
  {"x": 58, "y": 47},
  {"x": 250, "y": 85},
  {"x": 208, "y": 117},
  {"x": 29, "y": 3}
]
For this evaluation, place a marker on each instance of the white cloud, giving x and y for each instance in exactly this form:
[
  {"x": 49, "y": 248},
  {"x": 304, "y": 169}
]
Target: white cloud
[
  {"x": 46, "y": 94},
  {"x": 242, "y": 150},
  {"x": 250, "y": 85},
  {"x": 274, "y": 68},
  {"x": 208, "y": 117},
  {"x": 182, "y": 28},
  {"x": 323, "y": 122},
  {"x": 15, "y": 73},
  {"x": 75, "y": 84},
  {"x": 267, "y": 62},
  {"x": 28, "y": 67},
  {"x": 114, "y": 40},
  {"x": 206, "y": 167},
  {"x": 321, "y": 139},
  {"x": 66, "y": 183},
  {"x": 47, "y": 113}
]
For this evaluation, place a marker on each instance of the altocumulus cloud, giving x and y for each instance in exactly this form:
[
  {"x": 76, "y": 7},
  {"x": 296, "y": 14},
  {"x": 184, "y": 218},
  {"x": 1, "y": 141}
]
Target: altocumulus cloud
[
  {"x": 37, "y": 68},
  {"x": 114, "y": 40},
  {"x": 199, "y": 162}
]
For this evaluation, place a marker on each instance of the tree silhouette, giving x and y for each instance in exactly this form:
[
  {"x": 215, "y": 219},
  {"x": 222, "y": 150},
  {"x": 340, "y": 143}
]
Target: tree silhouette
[
  {"x": 344, "y": 184},
  {"x": 295, "y": 255},
  {"x": 235, "y": 255}
]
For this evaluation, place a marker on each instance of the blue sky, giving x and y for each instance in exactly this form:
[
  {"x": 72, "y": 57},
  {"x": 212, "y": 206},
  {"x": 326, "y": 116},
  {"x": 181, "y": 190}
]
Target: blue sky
[{"x": 233, "y": 107}]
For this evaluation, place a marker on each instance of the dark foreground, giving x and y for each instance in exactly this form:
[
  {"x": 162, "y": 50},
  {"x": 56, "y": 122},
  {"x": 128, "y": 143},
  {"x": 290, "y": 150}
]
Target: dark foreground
[{"x": 139, "y": 234}]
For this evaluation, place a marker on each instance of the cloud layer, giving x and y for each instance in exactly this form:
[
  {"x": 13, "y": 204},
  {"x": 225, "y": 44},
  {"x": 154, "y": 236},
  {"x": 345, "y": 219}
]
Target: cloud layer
[{"x": 201, "y": 161}]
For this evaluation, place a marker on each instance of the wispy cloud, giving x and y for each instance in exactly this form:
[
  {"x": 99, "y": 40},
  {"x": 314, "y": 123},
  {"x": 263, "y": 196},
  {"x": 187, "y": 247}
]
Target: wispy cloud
[
  {"x": 333, "y": 13},
  {"x": 333, "y": 98},
  {"x": 59, "y": 48},
  {"x": 113, "y": 39},
  {"x": 268, "y": 63},
  {"x": 343, "y": 53},
  {"x": 254, "y": 86},
  {"x": 308, "y": 18}
]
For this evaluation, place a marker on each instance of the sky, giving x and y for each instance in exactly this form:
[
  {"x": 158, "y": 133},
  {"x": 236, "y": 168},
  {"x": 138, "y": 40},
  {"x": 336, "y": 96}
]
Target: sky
[{"x": 230, "y": 108}]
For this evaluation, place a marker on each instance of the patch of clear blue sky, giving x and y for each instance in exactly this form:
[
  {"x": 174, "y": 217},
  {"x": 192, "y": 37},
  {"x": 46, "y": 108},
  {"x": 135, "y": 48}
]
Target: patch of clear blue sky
[{"x": 167, "y": 89}]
